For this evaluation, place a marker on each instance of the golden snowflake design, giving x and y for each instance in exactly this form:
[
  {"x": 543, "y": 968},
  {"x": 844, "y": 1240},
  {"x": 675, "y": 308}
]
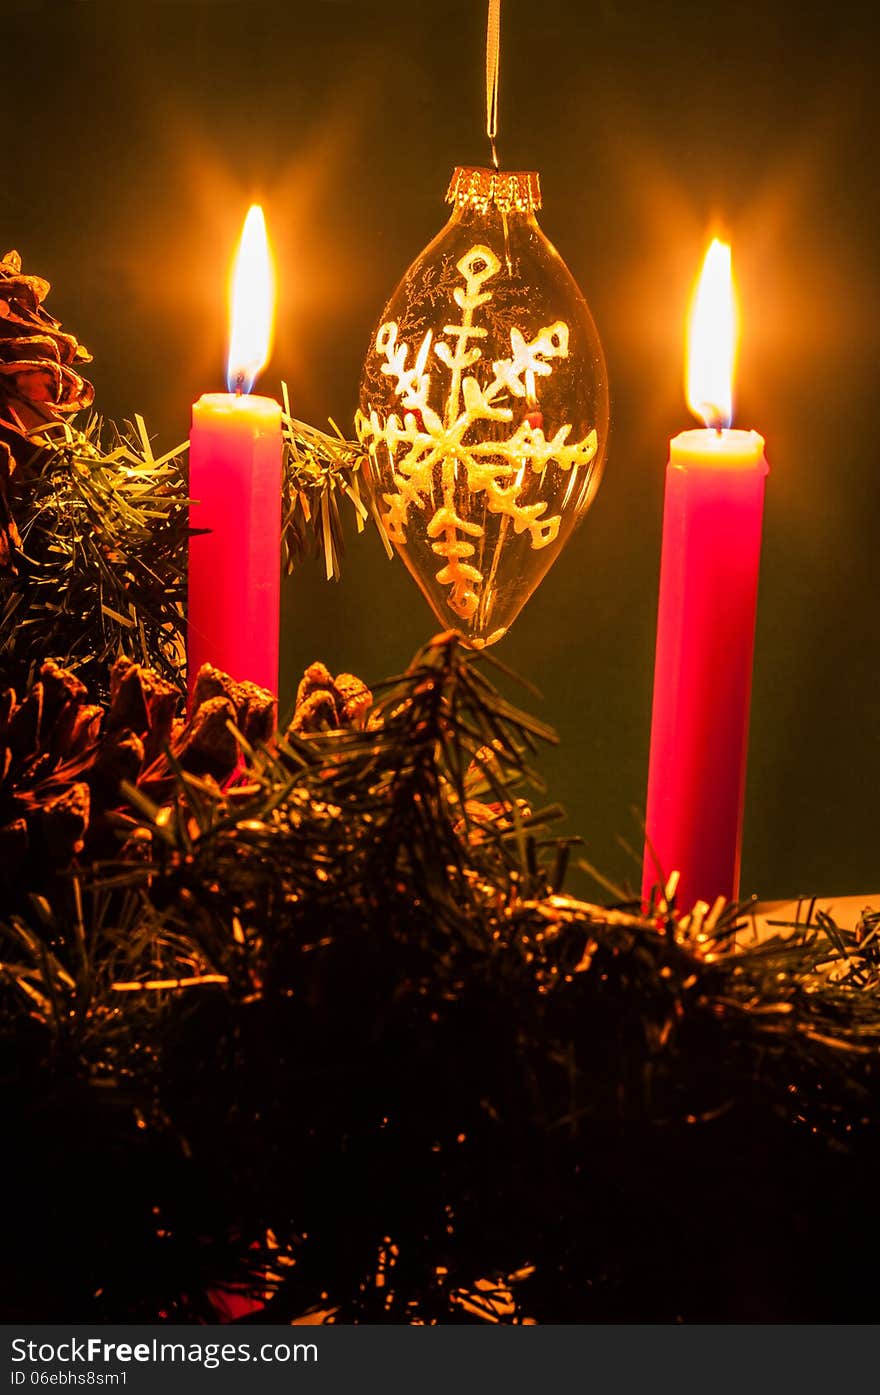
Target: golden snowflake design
[{"x": 431, "y": 454}]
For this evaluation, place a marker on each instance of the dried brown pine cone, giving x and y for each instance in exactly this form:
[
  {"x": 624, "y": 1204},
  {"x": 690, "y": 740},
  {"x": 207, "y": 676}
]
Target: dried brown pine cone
[
  {"x": 254, "y": 707},
  {"x": 63, "y": 759},
  {"x": 39, "y": 382},
  {"x": 324, "y": 703},
  {"x": 203, "y": 742},
  {"x": 48, "y": 745},
  {"x": 38, "y": 378}
]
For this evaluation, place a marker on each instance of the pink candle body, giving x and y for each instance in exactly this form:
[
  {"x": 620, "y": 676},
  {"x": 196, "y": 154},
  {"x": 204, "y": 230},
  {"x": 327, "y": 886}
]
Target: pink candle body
[
  {"x": 712, "y": 523},
  {"x": 235, "y": 567}
]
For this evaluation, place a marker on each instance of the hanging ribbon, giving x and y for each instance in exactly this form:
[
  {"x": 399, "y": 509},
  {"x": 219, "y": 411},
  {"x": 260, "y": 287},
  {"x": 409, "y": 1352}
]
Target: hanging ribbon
[{"x": 493, "y": 54}]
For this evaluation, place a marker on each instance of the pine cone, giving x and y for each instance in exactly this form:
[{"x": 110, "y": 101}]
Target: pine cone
[
  {"x": 38, "y": 380},
  {"x": 48, "y": 744},
  {"x": 143, "y": 704},
  {"x": 63, "y": 759},
  {"x": 324, "y": 703},
  {"x": 254, "y": 706}
]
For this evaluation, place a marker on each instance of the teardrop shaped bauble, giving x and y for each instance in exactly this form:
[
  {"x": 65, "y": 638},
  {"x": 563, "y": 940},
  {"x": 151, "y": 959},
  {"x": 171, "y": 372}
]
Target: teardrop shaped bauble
[{"x": 484, "y": 407}]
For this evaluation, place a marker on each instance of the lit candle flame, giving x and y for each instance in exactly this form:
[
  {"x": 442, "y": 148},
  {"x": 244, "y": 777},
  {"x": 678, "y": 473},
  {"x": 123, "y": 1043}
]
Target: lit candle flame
[
  {"x": 712, "y": 332},
  {"x": 251, "y": 304}
]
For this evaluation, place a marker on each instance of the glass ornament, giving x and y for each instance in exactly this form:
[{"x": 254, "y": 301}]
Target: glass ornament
[{"x": 484, "y": 407}]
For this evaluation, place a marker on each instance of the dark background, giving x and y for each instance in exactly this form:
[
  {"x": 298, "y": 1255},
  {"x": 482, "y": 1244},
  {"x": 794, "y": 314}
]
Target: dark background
[{"x": 135, "y": 134}]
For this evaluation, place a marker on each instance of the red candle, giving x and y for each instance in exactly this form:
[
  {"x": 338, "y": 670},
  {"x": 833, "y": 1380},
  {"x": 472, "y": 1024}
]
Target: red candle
[
  {"x": 712, "y": 522},
  {"x": 235, "y": 484}
]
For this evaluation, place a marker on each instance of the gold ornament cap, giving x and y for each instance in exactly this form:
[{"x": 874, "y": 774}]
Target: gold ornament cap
[{"x": 510, "y": 191}]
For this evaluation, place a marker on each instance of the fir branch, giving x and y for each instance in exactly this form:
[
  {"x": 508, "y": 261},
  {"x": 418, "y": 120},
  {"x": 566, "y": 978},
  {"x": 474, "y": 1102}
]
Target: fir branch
[
  {"x": 350, "y": 1020},
  {"x": 101, "y": 569}
]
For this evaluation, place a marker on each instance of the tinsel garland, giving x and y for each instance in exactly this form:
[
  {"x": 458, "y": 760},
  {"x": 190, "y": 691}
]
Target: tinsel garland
[{"x": 325, "y": 1036}]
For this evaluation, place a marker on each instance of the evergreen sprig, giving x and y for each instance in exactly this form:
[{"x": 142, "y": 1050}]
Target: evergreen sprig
[
  {"x": 336, "y": 1042},
  {"x": 101, "y": 567}
]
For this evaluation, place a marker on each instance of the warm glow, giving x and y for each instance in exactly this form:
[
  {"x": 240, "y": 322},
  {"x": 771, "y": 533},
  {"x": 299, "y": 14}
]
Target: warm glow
[
  {"x": 712, "y": 340},
  {"x": 251, "y": 304}
]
